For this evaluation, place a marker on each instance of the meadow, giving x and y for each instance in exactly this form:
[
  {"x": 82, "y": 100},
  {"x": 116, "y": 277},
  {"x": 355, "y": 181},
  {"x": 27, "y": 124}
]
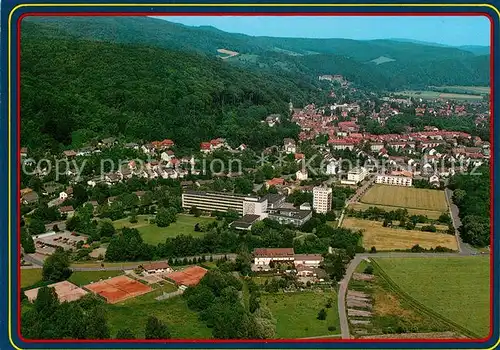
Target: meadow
[
  {"x": 406, "y": 197},
  {"x": 31, "y": 276},
  {"x": 296, "y": 314},
  {"x": 387, "y": 238},
  {"x": 153, "y": 234},
  {"x": 456, "y": 288},
  {"x": 174, "y": 312}
]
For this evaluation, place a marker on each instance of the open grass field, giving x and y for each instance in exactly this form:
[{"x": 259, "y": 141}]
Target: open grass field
[
  {"x": 431, "y": 214},
  {"x": 406, "y": 197},
  {"x": 153, "y": 234},
  {"x": 464, "y": 89},
  {"x": 432, "y": 95},
  {"x": 133, "y": 313},
  {"x": 81, "y": 278},
  {"x": 296, "y": 314},
  {"x": 386, "y": 238},
  {"x": 390, "y": 311},
  {"x": 456, "y": 288},
  {"x": 30, "y": 276}
]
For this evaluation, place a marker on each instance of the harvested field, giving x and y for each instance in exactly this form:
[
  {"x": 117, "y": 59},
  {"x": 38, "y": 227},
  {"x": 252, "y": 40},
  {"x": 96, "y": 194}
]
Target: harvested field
[
  {"x": 66, "y": 291},
  {"x": 406, "y": 197},
  {"x": 431, "y": 214},
  {"x": 118, "y": 289},
  {"x": 190, "y": 276},
  {"x": 386, "y": 238}
]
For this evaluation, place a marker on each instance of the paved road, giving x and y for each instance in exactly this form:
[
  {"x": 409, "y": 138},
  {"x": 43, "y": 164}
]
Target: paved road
[{"x": 464, "y": 248}]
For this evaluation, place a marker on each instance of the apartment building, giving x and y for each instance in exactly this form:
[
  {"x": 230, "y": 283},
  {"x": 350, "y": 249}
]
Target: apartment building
[
  {"x": 400, "y": 178},
  {"x": 322, "y": 199}
]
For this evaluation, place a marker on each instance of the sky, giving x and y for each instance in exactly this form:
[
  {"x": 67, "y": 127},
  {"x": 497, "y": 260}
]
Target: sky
[{"x": 447, "y": 30}]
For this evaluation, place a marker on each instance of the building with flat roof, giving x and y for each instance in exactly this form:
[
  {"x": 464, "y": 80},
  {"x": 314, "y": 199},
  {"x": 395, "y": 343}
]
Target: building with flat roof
[
  {"x": 245, "y": 223},
  {"x": 263, "y": 256},
  {"x": 355, "y": 175},
  {"x": 223, "y": 202},
  {"x": 322, "y": 199},
  {"x": 290, "y": 216},
  {"x": 274, "y": 200}
]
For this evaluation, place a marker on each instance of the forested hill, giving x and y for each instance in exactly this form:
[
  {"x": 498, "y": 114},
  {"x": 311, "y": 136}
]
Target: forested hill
[
  {"x": 75, "y": 90},
  {"x": 376, "y": 64}
]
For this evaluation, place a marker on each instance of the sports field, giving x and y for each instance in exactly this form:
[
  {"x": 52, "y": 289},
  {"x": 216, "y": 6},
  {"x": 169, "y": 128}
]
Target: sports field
[
  {"x": 30, "y": 276},
  {"x": 386, "y": 238},
  {"x": 456, "y": 288},
  {"x": 153, "y": 234},
  {"x": 431, "y": 214},
  {"x": 296, "y": 314},
  {"x": 117, "y": 289},
  {"x": 406, "y": 197}
]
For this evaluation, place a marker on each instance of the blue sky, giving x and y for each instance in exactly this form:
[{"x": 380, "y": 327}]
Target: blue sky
[{"x": 448, "y": 30}]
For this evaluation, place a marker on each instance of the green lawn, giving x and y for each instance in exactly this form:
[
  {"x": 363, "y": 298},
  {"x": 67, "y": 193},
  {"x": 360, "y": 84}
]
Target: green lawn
[
  {"x": 457, "y": 288},
  {"x": 81, "y": 278},
  {"x": 30, "y": 276},
  {"x": 153, "y": 234},
  {"x": 133, "y": 313},
  {"x": 296, "y": 314}
]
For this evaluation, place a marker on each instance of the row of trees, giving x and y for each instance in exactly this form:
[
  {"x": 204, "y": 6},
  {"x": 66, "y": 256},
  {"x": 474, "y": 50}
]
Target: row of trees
[{"x": 471, "y": 193}]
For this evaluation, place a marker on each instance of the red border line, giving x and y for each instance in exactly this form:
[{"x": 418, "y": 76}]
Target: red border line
[{"x": 325, "y": 14}]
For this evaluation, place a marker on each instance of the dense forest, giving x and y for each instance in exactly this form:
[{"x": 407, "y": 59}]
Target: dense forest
[
  {"x": 472, "y": 196},
  {"x": 411, "y": 65},
  {"x": 76, "y": 89}
]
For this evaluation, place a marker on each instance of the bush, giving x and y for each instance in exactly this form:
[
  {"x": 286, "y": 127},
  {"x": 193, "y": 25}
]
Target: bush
[
  {"x": 322, "y": 315},
  {"x": 373, "y": 250},
  {"x": 332, "y": 328},
  {"x": 369, "y": 270}
]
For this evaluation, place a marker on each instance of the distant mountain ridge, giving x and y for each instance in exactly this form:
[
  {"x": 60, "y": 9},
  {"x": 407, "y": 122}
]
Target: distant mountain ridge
[{"x": 404, "y": 64}]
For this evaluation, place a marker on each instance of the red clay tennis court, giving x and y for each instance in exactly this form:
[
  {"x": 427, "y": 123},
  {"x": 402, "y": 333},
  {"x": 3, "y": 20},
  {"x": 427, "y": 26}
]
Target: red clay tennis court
[
  {"x": 118, "y": 289},
  {"x": 190, "y": 276}
]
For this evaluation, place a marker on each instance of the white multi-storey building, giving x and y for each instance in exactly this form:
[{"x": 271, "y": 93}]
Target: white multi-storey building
[
  {"x": 357, "y": 174},
  {"x": 395, "y": 179},
  {"x": 216, "y": 201},
  {"x": 322, "y": 199}
]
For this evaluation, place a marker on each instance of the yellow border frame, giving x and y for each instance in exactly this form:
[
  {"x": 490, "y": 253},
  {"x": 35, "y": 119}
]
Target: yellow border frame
[{"x": 160, "y": 5}]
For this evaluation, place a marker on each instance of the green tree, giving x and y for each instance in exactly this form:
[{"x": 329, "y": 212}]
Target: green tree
[
  {"x": 155, "y": 329},
  {"x": 36, "y": 226},
  {"x": 56, "y": 267}
]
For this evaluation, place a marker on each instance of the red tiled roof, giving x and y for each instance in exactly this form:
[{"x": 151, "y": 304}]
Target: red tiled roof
[{"x": 273, "y": 252}]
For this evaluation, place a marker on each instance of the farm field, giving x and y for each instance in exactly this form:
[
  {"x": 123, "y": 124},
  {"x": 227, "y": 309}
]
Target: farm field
[
  {"x": 386, "y": 238},
  {"x": 433, "y": 95},
  {"x": 431, "y": 214},
  {"x": 153, "y": 234},
  {"x": 133, "y": 313},
  {"x": 390, "y": 311},
  {"x": 406, "y": 197},
  {"x": 296, "y": 314},
  {"x": 456, "y": 288}
]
